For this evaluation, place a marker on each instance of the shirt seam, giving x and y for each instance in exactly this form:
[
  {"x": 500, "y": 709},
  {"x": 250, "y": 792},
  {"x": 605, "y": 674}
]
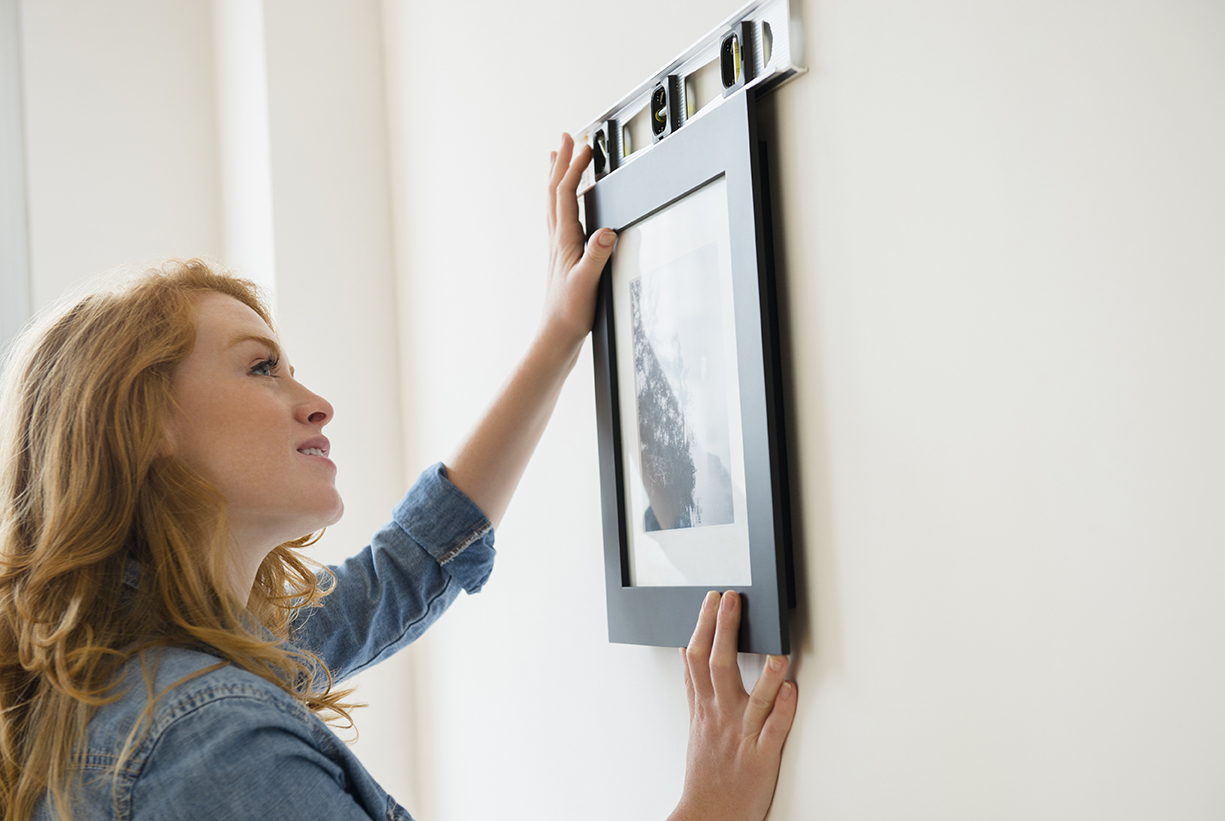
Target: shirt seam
[
  {"x": 186, "y": 705},
  {"x": 471, "y": 539},
  {"x": 377, "y": 658},
  {"x": 190, "y": 703}
]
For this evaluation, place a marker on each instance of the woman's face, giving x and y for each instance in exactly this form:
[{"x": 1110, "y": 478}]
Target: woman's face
[{"x": 252, "y": 430}]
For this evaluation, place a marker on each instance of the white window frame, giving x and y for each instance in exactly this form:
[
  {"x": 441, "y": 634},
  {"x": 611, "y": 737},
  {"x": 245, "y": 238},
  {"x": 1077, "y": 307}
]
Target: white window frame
[{"x": 15, "y": 297}]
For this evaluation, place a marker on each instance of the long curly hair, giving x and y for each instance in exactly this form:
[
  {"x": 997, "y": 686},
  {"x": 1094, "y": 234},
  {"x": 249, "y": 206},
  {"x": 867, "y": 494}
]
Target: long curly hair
[{"x": 88, "y": 490}]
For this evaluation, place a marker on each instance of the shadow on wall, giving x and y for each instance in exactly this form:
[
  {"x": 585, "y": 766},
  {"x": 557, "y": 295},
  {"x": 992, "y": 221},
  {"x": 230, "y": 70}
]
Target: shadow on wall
[{"x": 815, "y": 620}]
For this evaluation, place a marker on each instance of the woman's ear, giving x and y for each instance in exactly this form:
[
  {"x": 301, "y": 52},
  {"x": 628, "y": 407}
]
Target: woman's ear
[
  {"x": 166, "y": 446},
  {"x": 170, "y": 431}
]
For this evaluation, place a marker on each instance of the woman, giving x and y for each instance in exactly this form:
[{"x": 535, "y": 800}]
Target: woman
[{"x": 165, "y": 652}]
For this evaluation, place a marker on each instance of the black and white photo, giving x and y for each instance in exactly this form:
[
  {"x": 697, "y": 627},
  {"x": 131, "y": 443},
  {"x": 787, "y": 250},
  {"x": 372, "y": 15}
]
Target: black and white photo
[
  {"x": 681, "y": 393},
  {"x": 682, "y": 443}
]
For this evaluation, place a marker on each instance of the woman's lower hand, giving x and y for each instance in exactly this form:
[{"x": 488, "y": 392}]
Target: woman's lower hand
[
  {"x": 735, "y": 738},
  {"x": 574, "y": 273}
]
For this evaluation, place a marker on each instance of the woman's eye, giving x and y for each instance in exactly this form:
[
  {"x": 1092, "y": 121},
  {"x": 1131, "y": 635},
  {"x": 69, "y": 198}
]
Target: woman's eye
[{"x": 265, "y": 368}]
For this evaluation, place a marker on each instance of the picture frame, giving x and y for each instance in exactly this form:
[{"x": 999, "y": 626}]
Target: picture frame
[{"x": 692, "y": 456}]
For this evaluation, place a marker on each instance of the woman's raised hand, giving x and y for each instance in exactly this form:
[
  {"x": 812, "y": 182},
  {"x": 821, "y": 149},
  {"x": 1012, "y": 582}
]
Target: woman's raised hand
[
  {"x": 735, "y": 739},
  {"x": 491, "y": 460},
  {"x": 574, "y": 274}
]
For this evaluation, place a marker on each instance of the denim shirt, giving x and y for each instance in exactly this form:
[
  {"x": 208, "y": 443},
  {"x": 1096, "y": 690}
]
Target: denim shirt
[{"x": 230, "y": 745}]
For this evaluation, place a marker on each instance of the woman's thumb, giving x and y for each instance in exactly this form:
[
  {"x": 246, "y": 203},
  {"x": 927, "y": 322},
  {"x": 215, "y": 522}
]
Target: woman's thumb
[{"x": 599, "y": 249}]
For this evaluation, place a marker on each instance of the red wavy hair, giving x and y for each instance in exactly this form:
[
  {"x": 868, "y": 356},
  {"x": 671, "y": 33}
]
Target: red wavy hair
[{"x": 86, "y": 489}]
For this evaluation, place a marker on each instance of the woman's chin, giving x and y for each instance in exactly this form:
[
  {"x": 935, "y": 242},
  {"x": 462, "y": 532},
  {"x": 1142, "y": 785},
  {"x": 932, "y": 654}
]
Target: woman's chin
[
  {"x": 339, "y": 512},
  {"x": 332, "y": 515},
  {"x": 324, "y": 517}
]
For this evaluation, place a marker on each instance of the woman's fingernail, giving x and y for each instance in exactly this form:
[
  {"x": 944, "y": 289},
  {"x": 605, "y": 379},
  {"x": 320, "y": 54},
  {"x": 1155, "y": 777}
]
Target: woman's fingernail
[
  {"x": 778, "y": 662},
  {"x": 607, "y": 239},
  {"x": 786, "y": 691},
  {"x": 710, "y": 600},
  {"x": 729, "y": 601}
]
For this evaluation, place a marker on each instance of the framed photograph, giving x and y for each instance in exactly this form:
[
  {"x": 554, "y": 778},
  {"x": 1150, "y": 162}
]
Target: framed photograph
[{"x": 692, "y": 462}]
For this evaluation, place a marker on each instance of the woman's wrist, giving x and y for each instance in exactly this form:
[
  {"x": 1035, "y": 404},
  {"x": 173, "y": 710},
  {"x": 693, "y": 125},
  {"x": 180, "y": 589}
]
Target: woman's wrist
[{"x": 557, "y": 347}]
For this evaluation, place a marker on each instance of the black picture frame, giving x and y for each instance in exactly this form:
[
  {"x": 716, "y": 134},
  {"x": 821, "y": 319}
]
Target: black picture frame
[{"x": 723, "y": 145}]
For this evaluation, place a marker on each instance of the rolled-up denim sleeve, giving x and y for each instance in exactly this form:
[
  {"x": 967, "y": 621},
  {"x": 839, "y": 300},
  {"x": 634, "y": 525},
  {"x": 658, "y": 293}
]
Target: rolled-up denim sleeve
[{"x": 437, "y": 543}]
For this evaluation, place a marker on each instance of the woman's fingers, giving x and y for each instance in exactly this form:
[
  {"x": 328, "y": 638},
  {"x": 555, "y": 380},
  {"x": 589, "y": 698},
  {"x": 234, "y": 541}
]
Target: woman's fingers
[
  {"x": 724, "y": 671},
  {"x": 697, "y": 657},
  {"x": 565, "y": 170},
  {"x": 735, "y": 739},
  {"x": 765, "y": 694},
  {"x": 567, "y": 189},
  {"x": 559, "y": 163},
  {"x": 778, "y": 725},
  {"x": 595, "y": 255},
  {"x": 688, "y": 681}
]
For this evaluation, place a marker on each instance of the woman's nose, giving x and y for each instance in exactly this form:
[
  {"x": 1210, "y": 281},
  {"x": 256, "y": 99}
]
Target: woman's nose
[{"x": 314, "y": 409}]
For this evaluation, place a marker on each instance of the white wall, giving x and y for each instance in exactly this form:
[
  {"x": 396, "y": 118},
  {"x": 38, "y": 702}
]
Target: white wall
[
  {"x": 1005, "y": 277},
  {"x": 1007, "y": 269},
  {"x": 121, "y": 136}
]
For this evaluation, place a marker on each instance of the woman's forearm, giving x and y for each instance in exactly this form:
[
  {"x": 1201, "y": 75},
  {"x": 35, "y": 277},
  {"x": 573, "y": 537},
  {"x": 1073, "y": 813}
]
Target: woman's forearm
[{"x": 490, "y": 462}]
